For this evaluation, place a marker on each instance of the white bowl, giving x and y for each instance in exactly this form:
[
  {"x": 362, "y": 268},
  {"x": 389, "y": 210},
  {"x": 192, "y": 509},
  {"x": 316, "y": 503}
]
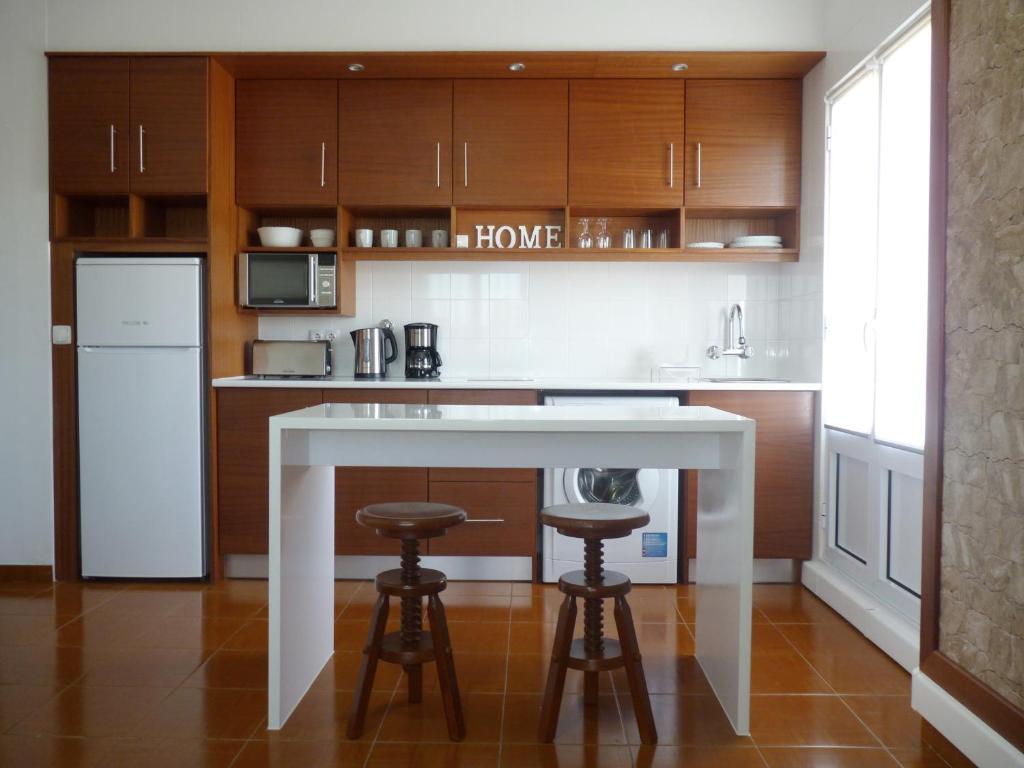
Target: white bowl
[
  {"x": 280, "y": 237},
  {"x": 321, "y": 238}
]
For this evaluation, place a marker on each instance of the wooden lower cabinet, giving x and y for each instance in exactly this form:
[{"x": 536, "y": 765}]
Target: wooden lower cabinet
[
  {"x": 502, "y": 501},
  {"x": 502, "y": 518},
  {"x": 242, "y": 463},
  {"x": 784, "y": 467},
  {"x": 355, "y": 487}
]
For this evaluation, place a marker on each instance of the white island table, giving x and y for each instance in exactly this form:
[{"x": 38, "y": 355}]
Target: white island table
[{"x": 306, "y": 445}]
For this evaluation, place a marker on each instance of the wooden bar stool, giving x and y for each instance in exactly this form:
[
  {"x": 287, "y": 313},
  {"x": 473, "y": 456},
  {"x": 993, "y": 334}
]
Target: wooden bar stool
[
  {"x": 594, "y": 653},
  {"x": 411, "y": 646}
]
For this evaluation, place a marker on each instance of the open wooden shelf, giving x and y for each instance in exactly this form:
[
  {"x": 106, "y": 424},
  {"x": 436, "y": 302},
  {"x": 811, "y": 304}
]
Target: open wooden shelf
[
  {"x": 573, "y": 254},
  {"x": 299, "y": 249}
]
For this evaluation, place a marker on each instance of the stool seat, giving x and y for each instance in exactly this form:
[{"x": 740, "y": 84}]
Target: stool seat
[
  {"x": 430, "y": 583},
  {"x": 611, "y": 584},
  {"x": 594, "y": 520},
  {"x": 410, "y": 519}
]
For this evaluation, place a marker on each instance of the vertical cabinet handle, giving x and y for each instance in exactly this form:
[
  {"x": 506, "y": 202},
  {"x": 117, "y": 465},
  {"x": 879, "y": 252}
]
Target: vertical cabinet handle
[
  {"x": 465, "y": 163},
  {"x": 323, "y": 161},
  {"x": 698, "y": 165},
  {"x": 671, "y": 165},
  {"x": 113, "y": 139},
  {"x": 142, "y": 156},
  {"x": 439, "y": 165}
]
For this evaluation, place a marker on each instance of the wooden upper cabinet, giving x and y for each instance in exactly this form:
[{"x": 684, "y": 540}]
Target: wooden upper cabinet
[
  {"x": 286, "y": 142},
  {"x": 626, "y": 143},
  {"x": 89, "y": 125},
  {"x": 743, "y": 143},
  {"x": 168, "y": 125},
  {"x": 395, "y": 142},
  {"x": 510, "y": 143}
]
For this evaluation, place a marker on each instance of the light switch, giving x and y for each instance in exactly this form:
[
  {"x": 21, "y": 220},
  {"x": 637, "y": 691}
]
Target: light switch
[{"x": 61, "y": 334}]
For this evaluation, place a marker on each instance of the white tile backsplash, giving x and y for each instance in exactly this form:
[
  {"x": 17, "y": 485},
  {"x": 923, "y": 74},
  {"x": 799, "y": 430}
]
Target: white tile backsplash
[{"x": 601, "y": 320}]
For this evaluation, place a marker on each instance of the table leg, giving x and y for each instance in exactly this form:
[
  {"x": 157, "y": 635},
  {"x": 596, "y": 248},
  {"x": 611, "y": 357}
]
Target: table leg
[
  {"x": 725, "y": 564},
  {"x": 301, "y": 627}
]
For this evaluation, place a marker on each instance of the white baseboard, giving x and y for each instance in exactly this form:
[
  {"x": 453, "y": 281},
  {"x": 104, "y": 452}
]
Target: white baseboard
[
  {"x": 368, "y": 566},
  {"x": 882, "y": 625},
  {"x": 766, "y": 570},
  {"x": 967, "y": 731}
]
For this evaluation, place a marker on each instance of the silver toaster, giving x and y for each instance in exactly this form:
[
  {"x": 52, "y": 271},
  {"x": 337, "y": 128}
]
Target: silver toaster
[{"x": 291, "y": 358}]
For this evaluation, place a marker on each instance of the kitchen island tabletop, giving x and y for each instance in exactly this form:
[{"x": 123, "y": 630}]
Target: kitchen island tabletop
[{"x": 307, "y": 444}]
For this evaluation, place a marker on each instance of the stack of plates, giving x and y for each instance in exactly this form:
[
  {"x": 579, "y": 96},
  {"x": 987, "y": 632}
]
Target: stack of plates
[
  {"x": 708, "y": 244},
  {"x": 757, "y": 241}
]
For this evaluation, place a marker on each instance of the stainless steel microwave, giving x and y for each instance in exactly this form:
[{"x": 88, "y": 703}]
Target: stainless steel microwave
[{"x": 288, "y": 280}]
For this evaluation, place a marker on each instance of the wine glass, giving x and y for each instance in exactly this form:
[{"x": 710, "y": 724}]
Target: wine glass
[
  {"x": 604, "y": 240},
  {"x": 583, "y": 238}
]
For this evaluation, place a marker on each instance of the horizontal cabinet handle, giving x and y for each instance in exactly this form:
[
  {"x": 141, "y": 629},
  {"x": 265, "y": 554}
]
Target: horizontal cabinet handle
[{"x": 485, "y": 520}]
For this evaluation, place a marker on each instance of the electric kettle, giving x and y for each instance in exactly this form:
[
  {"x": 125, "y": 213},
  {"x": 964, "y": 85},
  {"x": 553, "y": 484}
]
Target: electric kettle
[{"x": 371, "y": 356}]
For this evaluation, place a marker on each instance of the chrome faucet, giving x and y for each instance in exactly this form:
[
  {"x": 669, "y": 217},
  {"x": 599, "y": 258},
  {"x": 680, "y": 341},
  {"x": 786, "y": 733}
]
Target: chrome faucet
[{"x": 737, "y": 341}]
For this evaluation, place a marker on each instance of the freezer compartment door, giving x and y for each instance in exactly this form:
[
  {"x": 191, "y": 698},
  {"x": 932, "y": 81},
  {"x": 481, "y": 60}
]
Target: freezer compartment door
[
  {"x": 142, "y": 475},
  {"x": 139, "y": 303}
]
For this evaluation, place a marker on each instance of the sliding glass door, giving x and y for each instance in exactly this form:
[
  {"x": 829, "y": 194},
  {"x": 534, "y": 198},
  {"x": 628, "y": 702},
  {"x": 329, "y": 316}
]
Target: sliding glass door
[{"x": 876, "y": 258}]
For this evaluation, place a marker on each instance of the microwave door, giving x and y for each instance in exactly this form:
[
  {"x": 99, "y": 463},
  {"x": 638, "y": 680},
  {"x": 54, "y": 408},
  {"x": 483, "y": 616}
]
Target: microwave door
[{"x": 281, "y": 280}]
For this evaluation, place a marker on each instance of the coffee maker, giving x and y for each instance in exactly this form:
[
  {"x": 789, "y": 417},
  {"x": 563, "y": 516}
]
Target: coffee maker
[{"x": 421, "y": 358}]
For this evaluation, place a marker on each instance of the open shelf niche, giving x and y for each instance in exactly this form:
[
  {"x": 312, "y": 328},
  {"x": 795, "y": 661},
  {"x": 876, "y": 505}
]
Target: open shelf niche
[
  {"x": 426, "y": 220},
  {"x": 724, "y": 224},
  {"x": 306, "y": 219}
]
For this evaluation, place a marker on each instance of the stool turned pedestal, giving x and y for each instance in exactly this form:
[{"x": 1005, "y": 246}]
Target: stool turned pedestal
[
  {"x": 594, "y": 653},
  {"x": 410, "y": 646}
]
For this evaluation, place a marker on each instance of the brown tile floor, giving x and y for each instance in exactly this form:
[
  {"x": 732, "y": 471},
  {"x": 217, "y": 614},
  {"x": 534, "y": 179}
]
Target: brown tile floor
[{"x": 155, "y": 675}]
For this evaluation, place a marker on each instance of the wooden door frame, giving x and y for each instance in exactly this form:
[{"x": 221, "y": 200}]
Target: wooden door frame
[{"x": 984, "y": 701}]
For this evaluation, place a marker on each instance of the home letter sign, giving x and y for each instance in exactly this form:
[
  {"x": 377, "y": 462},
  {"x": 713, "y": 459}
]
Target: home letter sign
[{"x": 490, "y": 236}]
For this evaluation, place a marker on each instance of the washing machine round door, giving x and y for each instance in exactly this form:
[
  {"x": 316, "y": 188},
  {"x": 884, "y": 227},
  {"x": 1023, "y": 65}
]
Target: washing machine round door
[{"x": 629, "y": 487}]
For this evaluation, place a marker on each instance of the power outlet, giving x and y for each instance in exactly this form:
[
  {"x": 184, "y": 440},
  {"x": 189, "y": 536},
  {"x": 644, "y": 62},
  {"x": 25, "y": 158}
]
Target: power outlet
[
  {"x": 315, "y": 334},
  {"x": 331, "y": 334}
]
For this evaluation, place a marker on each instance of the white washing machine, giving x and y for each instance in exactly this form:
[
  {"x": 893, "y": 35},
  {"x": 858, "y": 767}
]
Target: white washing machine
[{"x": 649, "y": 554}]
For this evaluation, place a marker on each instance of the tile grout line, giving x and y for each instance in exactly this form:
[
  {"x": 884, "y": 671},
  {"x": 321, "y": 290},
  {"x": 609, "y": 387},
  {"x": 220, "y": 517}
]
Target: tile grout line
[
  {"x": 831, "y": 688},
  {"x": 504, "y": 693}
]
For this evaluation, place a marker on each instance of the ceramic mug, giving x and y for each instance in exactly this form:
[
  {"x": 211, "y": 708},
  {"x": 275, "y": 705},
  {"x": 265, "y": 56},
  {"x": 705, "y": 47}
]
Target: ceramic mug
[
  {"x": 389, "y": 238},
  {"x": 439, "y": 238},
  {"x": 364, "y": 238},
  {"x": 413, "y": 238}
]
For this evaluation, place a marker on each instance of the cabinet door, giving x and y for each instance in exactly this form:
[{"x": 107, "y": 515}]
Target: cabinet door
[
  {"x": 510, "y": 143},
  {"x": 286, "y": 142},
  {"x": 743, "y": 143},
  {"x": 783, "y": 466},
  {"x": 483, "y": 397},
  {"x": 626, "y": 143},
  {"x": 242, "y": 463},
  {"x": 501, "y": 519},
  {"x": 355, "y": 487},
  {"x": 395, "y": 141},
  {"x": 168, "y": 125},
  {"x": 89, "y": 125}
]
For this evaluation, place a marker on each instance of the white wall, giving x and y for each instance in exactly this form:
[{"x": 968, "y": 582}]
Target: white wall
[
  {"x": 26, "y": 505},
  {"x": 29, "y": 27}
]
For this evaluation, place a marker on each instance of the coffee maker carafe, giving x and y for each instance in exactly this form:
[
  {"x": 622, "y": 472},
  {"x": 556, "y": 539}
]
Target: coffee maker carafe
[{"x": 421, "y": 358}]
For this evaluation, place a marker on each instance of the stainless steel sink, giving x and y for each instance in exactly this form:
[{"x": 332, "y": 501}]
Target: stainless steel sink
[{"x": 744, "y": 380}]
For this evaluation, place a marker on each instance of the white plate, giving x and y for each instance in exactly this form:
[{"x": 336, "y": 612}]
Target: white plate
[
  {"x": 757, "y": 240},
  {"x": 755, "y": 245},
  {"x": 709, "y": 244}
]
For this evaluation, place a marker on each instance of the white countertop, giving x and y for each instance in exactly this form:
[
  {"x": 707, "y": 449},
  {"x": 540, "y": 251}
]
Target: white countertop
[
  {"x": 601, "y": 385},
  {"x": 511, "y": 418}
]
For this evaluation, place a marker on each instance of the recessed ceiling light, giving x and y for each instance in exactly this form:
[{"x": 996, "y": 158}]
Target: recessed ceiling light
[
  {"x": 356, "y": 67},
  {"x": 680, "y": 67},
  {"x": 517, "y": 66}
]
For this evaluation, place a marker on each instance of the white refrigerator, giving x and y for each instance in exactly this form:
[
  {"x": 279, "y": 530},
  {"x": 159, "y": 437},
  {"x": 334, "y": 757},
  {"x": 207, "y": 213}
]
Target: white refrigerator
[{"x": 141, "y": 416}]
